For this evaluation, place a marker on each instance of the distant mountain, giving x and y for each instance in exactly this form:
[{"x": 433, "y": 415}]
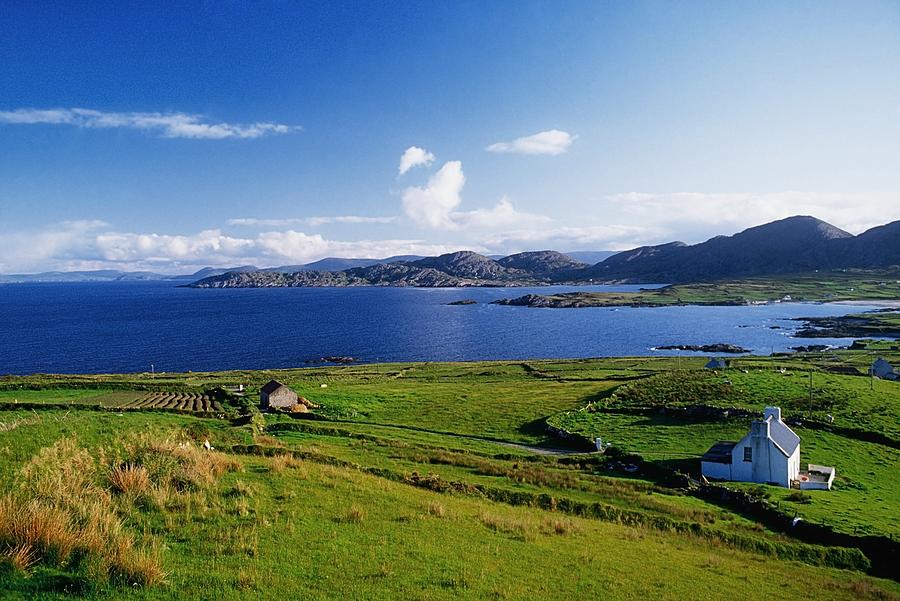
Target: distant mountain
[
  {"x": 464, "y": 268},
  {"x": 99, "y": 275},
  {"x": 590, "y": 257},
  {"x": 547, "y": 264},
  {"x": 211, "y": 271},
  {"x": 340, "y": 264},
  {"x": 792, "y": 245}
]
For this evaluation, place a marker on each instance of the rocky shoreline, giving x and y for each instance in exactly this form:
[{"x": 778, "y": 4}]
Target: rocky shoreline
[
  {"x": 851, "y": 326},
  {"x": 719, "y": 347}
]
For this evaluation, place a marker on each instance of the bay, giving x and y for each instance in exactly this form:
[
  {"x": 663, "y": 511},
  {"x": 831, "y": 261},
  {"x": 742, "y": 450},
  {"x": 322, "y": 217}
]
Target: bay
[{"x": 111, "y": 327}]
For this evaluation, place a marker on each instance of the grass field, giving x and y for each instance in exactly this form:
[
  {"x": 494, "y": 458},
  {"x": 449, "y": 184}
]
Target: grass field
[{"x": 426, "y": 481}]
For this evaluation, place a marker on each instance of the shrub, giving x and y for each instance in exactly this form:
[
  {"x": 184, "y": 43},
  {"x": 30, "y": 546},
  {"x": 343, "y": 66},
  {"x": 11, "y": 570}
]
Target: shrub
[{"x": 798, "y": 497}]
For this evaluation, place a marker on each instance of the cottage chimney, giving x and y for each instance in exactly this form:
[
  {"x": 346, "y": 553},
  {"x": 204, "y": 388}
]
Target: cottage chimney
[{"x": 774, "y": 412}]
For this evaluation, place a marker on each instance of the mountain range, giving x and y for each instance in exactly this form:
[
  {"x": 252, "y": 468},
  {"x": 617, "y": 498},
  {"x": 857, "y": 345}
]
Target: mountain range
[{"x": 799, "y": 244}]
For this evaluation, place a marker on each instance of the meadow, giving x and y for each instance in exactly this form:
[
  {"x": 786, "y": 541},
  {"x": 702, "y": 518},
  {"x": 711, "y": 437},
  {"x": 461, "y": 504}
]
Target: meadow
[{"x": 430, "y": 481}]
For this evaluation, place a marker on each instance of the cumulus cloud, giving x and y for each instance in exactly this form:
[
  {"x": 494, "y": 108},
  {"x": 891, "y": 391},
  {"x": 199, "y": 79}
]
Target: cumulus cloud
[
  {"x": 130, "y": 247},
  {"x": 93, "y": 245},
  {"x": 502, "y": 215},
  {"x": 298, "y": 246},
  {"x": 167, "y": 125},
  {"x": 69, "y": 240},
  {"x": 310, "y": 221},
  {"x": 413, "y": 157},
  {"x": 550, "y": 142},
  {"x": 433, "y": 204}
]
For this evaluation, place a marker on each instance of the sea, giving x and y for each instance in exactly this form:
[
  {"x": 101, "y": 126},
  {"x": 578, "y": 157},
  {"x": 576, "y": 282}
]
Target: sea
[{"x": 117, "y": 327}]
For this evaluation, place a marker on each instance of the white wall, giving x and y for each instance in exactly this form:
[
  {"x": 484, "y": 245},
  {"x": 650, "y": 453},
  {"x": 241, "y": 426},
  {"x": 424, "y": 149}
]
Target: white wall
[{"x": 768, "y": 465}]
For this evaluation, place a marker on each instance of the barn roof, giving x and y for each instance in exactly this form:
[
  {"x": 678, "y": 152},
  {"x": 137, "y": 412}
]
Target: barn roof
[
  {"x": 271, "y": 387},
  {"x": 882, "y": 368},
  {"x": 719, "y": 452}
]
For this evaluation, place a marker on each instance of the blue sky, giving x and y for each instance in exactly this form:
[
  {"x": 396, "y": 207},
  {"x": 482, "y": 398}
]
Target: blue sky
[{"x": 134, "y": 136}]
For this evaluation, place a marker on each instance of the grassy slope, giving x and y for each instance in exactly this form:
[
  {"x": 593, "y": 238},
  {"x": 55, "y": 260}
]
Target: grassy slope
[
  {"x": 321, "y": 532},
  {"x": 400, "y": 549},
  {"x": 867, "y": 489}
]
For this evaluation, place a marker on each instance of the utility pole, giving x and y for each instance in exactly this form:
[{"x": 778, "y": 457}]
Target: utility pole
[{"x": 810, "y": 392}]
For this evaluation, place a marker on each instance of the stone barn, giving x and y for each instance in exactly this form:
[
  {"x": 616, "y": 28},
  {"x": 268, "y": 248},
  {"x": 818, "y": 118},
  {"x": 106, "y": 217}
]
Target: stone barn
[
  {"x": 882, "y": 369},
  {"x": 276, "y": 395}
]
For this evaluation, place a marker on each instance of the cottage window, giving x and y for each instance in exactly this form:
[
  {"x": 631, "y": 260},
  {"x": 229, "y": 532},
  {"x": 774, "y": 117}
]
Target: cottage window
[{"x": 748, "y": 454}]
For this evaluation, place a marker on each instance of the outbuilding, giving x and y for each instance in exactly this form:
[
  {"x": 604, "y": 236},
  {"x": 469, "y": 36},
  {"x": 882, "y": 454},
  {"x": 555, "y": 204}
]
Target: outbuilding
[
  {"x": 716, "y": 364},
  {"x": 882, "y": 369},
  {"x": 276, "y": 395}
]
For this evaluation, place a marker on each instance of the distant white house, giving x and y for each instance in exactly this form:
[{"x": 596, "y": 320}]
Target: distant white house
[
  {"x": 882, "y": 369},
  {"x": 769, "y": 454}
]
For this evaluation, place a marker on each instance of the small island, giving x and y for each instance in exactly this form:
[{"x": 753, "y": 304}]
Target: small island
[
  {"x": 465, "y": 301},
  {"x": 717, "y": 348}
]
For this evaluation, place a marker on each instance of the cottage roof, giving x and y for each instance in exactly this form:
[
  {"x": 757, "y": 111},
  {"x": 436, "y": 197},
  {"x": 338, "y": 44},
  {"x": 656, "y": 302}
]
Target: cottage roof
[
  {"x": 784, "y": 438},
  {"x": 271, "y": 387},
  {"x": 716, "y": 364},
  {"x": 719, "y": 452}
]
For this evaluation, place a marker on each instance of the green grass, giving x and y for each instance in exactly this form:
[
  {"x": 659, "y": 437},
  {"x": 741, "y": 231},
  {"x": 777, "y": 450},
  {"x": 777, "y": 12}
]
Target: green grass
[
  {"x": 328, "y": 527},
  {"x": 867, "y": 487},
  {"x": 107, "y": 398},
  {"x": 324, "y": 532}
]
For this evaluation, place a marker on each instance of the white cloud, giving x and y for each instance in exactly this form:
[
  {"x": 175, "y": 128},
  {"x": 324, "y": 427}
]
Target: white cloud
[
  {"x": 562, "y": 237},
  {"x": 432, "y": 205},
  {"x": 301, "y": 247},
  {"x": 697, "y": 216},
  {"x": 413, "y": 157},
  {"x": 167, "y": 125},
  {"x": 503, "y": 215},
  {"x": 550, "y": 142},
  {"x": 92, "y": 245},
  {"x": 130, "y": 247},
  {"x": 23, "y": 251},
  {"x": 310, "y": 221}
]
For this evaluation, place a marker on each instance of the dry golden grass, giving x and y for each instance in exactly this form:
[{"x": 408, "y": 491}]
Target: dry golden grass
[
  {"x": 266, "y": 440},
  {"x": 62, "y": 517},
  {"x": 279, "y": 463},
  {"x": 178, "y": 462},
  {"x": 130, "y": 480},
  {"x": 19, "y": 558},
  {"x": 436, "y": 509},
  {"x": 354, "y": 515}
]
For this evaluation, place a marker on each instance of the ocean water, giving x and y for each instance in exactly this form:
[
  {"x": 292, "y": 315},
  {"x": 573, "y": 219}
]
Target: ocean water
[{"x": 129, "y": 326}]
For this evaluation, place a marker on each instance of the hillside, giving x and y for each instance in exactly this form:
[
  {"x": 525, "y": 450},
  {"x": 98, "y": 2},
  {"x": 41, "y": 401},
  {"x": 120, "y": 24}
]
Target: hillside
[
  {"x": 463, "y": 268},
  {"x": 413, "y": 474},
  {"x": 794, "y": 245}
]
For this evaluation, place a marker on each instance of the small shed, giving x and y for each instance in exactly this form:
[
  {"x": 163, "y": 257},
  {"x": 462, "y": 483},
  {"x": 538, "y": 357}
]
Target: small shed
[
  {"x": 716, "y": 364},
  {"x": 882, "y": 369},
  {"x": 276, "y": 395}
]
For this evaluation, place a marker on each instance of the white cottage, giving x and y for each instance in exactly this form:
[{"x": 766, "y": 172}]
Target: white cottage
[{"x": 769, "y": 454}]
